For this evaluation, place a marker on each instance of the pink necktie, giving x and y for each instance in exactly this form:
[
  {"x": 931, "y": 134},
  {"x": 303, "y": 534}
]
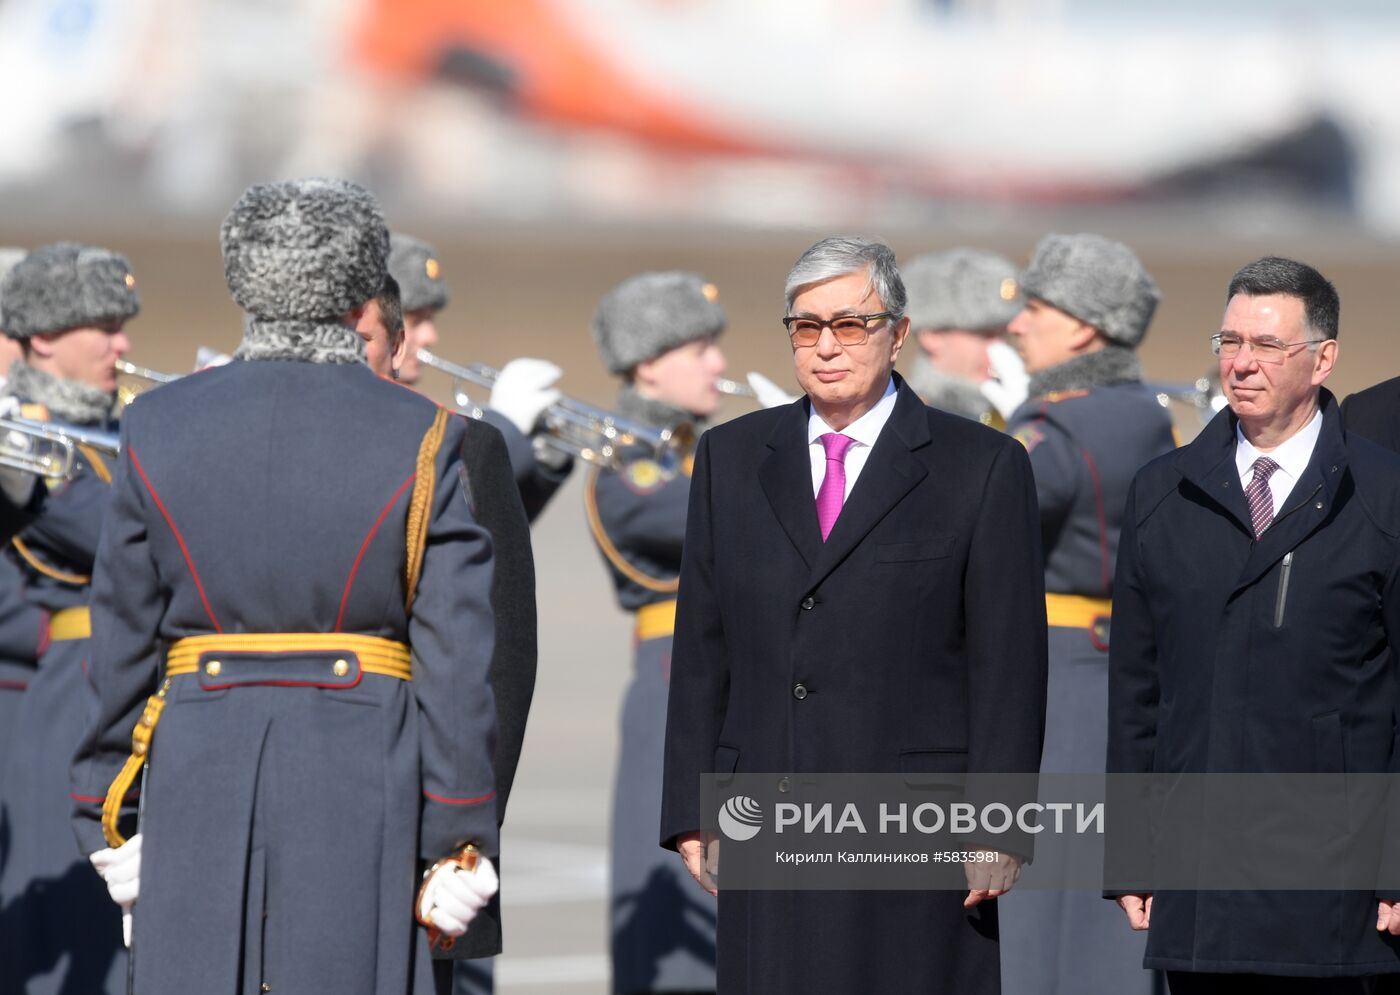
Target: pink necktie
[{"x": 832, "y": 493}]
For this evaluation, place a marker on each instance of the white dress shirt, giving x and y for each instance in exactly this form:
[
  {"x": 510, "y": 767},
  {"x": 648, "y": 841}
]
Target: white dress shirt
[
  {"x": 865, "y": 430},
  {"x": 1292, "y": 456}
]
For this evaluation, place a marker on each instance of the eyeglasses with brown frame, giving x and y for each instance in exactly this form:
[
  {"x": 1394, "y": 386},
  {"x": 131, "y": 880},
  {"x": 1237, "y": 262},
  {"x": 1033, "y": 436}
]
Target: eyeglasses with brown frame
[
  {"x": 849, "y": 329},
  {"x": 1227, "y": 345}
]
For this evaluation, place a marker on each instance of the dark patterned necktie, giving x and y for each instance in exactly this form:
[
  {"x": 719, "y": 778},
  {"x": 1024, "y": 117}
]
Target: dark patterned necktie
[{"x": 1261, "y": 501}]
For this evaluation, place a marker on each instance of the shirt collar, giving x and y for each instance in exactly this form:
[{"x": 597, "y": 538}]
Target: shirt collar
[
  {"x": 865, "y": 429},
  {"x": 1292, "y": 455}
]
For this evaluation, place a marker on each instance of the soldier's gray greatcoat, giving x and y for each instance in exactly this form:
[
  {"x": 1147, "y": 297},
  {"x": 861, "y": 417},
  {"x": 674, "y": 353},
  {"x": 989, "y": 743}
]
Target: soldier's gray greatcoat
[
  {"x": 663, "y": 926},
  {"x": 59, "y": 931},
  {"x": 1085, "y": 446},
  {"x": 293, "y": 798},
  {"x": 286, "y": 826}
]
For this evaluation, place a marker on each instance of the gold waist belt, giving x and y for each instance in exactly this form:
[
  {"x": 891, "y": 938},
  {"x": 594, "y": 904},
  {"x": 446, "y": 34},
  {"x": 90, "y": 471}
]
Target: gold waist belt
[
  {"x": 70, "y": 623},
  {"x": 375, "y": 654},
  {"x": 656, "y": 620},
  {"x": 1075, "y": 611}
]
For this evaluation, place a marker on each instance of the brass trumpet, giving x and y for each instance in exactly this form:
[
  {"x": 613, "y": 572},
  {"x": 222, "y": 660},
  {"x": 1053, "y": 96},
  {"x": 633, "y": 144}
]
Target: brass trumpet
[
  {"x": 735, "y": 389},
  {"x": 49, "y": 450},
  {"x": 1204, "y": 394},
  {"x": 573, "y": 427},
  {"x": 127, "y": 393}
]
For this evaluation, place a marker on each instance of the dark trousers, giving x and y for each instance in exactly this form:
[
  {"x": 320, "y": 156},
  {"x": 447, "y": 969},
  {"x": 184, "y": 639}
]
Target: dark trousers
[{"x": 1188, "y": 983}]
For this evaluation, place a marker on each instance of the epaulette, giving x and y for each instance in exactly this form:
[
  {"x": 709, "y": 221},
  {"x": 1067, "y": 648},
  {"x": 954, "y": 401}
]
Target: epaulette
[{"x": 1056, "y": 396}]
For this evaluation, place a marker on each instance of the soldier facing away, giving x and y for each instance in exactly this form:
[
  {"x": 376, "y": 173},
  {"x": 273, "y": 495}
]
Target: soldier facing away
[{"x": 291, "y": 609}]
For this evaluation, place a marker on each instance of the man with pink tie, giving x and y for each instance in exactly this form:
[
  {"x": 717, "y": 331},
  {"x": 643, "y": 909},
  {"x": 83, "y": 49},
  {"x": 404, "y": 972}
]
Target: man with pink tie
[{"x": 861, "y": 592}]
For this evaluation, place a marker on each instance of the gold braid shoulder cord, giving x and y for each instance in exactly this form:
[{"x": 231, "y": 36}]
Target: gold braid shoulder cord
[{"x": 613, "y": 554}]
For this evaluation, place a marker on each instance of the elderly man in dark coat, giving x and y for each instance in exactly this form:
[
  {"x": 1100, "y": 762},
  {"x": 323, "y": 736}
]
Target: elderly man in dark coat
[
  {"x": 861, "y": 591},
  {"x": 292, "y": 572},
  {"x": 1254, "y": 603}
]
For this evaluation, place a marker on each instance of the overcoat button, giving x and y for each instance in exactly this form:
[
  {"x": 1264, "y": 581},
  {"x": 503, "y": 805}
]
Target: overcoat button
[
  {"x": 341, "y": 668},
  {"x": 808, "y": 604},
  {"x": 799, "y": 692},
  {"x": 213, "y": 668}
]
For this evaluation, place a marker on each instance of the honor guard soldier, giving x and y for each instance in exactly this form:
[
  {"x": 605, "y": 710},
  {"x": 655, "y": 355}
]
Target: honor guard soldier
[
  {"x": 658, "y": 332},
  {"x": 292, "y": 630},
  {"x": 1089, "y": 425},
  {"x": 523, "y": 390},
  {"x": 24, "y": 627},
  {"x": 960, "y": 303},
  {"x": 67, "y": 304}
]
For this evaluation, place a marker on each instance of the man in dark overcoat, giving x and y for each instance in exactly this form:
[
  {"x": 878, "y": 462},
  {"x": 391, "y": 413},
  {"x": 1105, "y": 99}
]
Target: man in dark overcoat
[
  {"x": 861, "y": 591},
  {"x": 1254, "y": 603},
  {"x": 506, "y": 497},
  {"x": 291, "y": 610},
  {"x": 1375, "y": 413}
]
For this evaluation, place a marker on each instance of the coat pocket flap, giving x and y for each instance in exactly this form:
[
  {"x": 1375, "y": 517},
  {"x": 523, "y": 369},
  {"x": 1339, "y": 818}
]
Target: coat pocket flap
[{"x": 923, "y": 549}]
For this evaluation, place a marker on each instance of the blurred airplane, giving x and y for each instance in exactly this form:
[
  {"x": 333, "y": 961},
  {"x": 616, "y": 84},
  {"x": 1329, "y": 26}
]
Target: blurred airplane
[
  {"x": 1015, "y": 105},
  {"x": 1010, "y": 110}
]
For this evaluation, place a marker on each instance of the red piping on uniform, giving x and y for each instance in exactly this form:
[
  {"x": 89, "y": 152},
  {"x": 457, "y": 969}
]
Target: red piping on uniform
[
  {"x": 14, "y": 685},
  {"x": 185, "y": 550},
  {"x": 284, "y": 684},
  {"x": 99, "y": 800},
  {"x": 350, "y": 581},
  {"x": 1103, "y": 524},
  {"x": 44, "y": 639},
  {"x": 459, "y": 801}
]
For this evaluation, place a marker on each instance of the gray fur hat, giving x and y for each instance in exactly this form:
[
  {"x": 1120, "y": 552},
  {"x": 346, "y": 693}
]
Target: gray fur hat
[
  {"x": 9, "y": 256},
  {"x": 66, "y": 285},
  {"x": 304, "y": 250},
  {"x": 1097, "y": 280},
  {"x": 967, "y": 289},
  {"x": 652, "y": 313},
  {"x": 414, "y": 264}
]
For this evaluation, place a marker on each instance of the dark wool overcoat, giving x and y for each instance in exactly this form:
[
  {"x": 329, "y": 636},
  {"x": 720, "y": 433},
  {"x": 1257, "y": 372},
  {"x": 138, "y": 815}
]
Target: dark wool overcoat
[
  {"x": 917, "y": 634},
  {"x": 1237, "y": 655}
]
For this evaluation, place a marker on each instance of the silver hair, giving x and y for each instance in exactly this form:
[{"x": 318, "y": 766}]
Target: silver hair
[{"x": 842, "y": 254}]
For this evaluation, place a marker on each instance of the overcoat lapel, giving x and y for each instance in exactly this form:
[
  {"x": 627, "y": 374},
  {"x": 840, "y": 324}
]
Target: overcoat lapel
[
  {"x": 1208, "y": 462},
  {"x": 890, "y": 472},
  {"x": 786, "y": 478},
  {"x": 1300, "y": 515}
]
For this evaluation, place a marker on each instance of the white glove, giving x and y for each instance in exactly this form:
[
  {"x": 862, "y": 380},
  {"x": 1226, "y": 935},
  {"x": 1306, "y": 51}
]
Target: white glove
[
  {"x": 1009, "y": 384},
  {"x": 769, "y": 394},
  {"x": 453, "y": 897},
  {"x": 121, "y": 869},
  {"x": 9, "y": 407},
  {"x": 522, "y": 391}
]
